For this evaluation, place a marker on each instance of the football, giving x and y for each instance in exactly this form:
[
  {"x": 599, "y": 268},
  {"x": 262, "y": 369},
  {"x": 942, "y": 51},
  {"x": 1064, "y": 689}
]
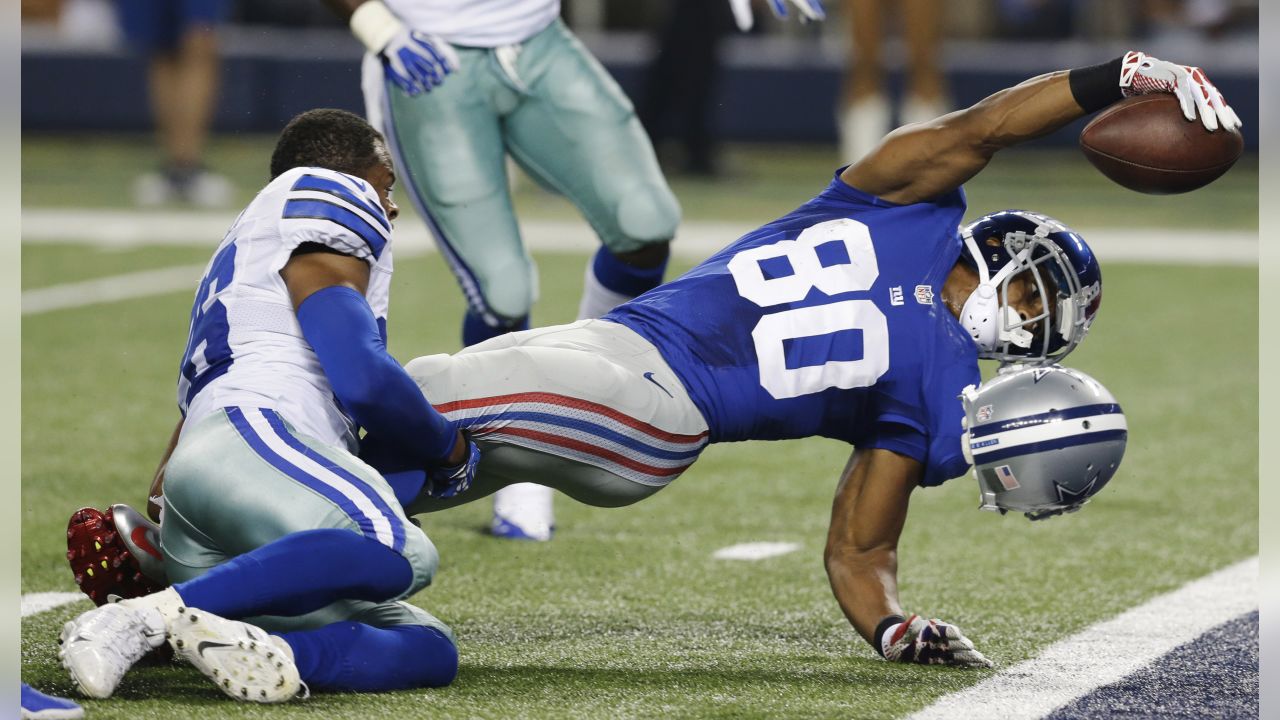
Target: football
[{"x": 1145, "y": 144}]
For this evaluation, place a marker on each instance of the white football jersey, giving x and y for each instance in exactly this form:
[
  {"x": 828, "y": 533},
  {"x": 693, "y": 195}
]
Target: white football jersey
[
  {"x": 245, "y": 346},
  {"x": 477, "y": 23}
]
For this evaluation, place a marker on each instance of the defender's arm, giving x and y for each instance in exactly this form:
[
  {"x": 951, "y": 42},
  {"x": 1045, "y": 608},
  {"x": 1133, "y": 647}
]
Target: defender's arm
[{"x": 327, "y": 290}]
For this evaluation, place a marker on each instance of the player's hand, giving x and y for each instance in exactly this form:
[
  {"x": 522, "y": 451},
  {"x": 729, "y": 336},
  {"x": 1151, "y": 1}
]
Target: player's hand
[
  {"x": 809, "y": 10},
  {"x": 1141, "y": 74},
  {"x": 445, "y": 482},
  {"x": 116, "y": 552},
  {"x": 417, "y": 62},
  {"x": 414, "y": 61},
  {"x": 933, "y": 642}
]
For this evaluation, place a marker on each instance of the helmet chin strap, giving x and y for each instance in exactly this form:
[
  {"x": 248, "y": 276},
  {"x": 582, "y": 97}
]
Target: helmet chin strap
[{"x": 982, "y": 315}]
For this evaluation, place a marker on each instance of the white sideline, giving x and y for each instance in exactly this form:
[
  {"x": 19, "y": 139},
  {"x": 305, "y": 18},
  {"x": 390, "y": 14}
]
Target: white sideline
[
  {"x": 695, "y": 239},
  {"x": 755, "y": 550},
  {"x": 1106, "y": 652},
  {"x": 33, "y": 603},
  {"x": 111, "y": 289}
]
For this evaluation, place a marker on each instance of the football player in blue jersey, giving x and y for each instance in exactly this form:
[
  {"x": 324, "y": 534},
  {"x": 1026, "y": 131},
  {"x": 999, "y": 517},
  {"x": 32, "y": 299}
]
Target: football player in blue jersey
[
  {"x": 860, "y": 316},
  {"x": 267, "y": 512}
]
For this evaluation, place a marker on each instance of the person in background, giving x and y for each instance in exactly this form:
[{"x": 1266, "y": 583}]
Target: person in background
[
  {"x": 866, "y": 114},
  {"x": 179, "y": 38}
]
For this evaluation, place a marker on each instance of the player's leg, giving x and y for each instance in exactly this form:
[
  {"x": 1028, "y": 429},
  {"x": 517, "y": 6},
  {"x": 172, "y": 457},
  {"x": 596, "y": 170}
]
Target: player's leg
[
  {"x": 926, "y": 96},
  {"x": 577, "y": 133},
  {"x": 450, "y": 158},
  {"x": 590, "y": 408},
  {"x": 258, "y": 520},
  {"x": 865, "y": 114},
  {"x": 378, "y": 647}
]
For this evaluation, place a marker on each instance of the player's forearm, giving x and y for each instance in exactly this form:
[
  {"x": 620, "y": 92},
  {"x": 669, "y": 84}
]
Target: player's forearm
[
  {"x": 1024, "y": 112},
  {"x": 372, "y": 387},
  {"x": 865, "y": 583}
]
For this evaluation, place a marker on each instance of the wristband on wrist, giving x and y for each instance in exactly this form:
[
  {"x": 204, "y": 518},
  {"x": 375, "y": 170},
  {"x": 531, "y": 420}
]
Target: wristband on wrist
[
  {"x": 885, "y": 626},
  {"x": 374, "y": 24},
  {"x": 1096, "y": 86}
]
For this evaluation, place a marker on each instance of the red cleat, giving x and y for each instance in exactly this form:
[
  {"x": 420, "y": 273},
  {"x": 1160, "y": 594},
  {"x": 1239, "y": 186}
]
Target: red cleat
[{"x": 106, "y": 562}]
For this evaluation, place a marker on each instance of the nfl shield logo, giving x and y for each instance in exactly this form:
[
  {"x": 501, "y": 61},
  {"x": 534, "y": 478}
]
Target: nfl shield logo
[
  {"x": 984, "y": 413},
  {"x": 924, "y": 294},
  {"x": 1006, "y": 478}
]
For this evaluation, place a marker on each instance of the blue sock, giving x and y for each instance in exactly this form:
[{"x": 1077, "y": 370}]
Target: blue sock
[
  {"x": 625, "y": 279},
  {"x": 476, "y": 330},
  {"x": 298, "y": 573},
  {"x": 362, "y": 658}
]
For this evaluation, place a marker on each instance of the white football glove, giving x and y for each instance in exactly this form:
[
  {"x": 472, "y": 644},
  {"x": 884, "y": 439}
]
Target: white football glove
[
  {"x": 809, "y": 10},
  {"x": 932, "y": 642},
  {"x": 416, "y": 62},
  {"x": 1141, "y": 75}
]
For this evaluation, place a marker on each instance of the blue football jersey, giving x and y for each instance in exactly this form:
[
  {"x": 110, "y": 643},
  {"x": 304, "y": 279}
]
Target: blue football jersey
[{"x": 828, "y": 321}]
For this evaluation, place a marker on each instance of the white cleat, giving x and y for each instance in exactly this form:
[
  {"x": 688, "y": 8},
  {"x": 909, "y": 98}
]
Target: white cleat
[
  {"x": 241, "y": 659},
  {"x": 523, "y": 511},
  {"x": 100, "y": 646}
]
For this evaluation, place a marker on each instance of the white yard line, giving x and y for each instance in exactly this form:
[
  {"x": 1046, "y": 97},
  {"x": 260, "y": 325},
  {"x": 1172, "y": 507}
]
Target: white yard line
[
  {"x": 110, "y": 289},
  {"x": 755, "y": 550},
  {"x": 33, "y": 603},
  {"x": 1106, "y": 652},
  {"x": 695, "y": 239}
]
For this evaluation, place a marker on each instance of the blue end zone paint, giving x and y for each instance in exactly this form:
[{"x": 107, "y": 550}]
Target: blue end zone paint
[{"x": 1213, "y": 676}]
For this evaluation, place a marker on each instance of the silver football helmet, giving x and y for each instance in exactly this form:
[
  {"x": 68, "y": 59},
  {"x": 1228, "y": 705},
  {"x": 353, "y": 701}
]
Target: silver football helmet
[{"x": 1042, "y": 440}]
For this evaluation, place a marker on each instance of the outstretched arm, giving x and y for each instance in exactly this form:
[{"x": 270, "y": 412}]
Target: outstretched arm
[
  {"x": 867, "y": 518},
  {"x": 925, "y": 160}
]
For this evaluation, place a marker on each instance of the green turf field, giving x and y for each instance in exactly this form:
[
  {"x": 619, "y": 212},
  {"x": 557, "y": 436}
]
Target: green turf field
[{"x": 625, "y": 613}]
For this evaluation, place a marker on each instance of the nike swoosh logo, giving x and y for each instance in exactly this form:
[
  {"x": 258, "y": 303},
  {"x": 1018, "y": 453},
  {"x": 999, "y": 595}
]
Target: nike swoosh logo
[
  {"x": 140, "y": 538},
  {"x": 649, "y": 376},
  {"x": 210, "y": 644}
]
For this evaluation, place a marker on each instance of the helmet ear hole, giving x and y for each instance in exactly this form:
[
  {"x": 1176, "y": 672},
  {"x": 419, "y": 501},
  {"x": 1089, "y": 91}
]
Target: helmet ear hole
[{"x": 1087, "y": 425}]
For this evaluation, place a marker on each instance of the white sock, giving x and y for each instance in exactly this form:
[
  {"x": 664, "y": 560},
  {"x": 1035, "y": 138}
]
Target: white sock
[{"x": 596, "y": 298}]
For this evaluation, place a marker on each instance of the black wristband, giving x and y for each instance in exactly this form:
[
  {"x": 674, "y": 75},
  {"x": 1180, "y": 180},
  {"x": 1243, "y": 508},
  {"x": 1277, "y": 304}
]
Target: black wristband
[
  {"x": 882, "y": 628},
  {"x": 1096, "y": 86}
]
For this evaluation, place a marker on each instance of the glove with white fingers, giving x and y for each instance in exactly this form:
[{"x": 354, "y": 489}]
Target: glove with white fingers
[
  {"x": 1142, "y": 74},
  {"x": 809, "y": 10},
  {"x": 927, "y": 642},
  {"x": 416, "y": 62}
]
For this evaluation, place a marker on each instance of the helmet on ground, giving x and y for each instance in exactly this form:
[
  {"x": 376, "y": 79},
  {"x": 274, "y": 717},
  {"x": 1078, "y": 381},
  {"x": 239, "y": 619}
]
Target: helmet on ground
[
  {"x": 1003, "y": 245},
  {"x": 1042, "y": 440}
]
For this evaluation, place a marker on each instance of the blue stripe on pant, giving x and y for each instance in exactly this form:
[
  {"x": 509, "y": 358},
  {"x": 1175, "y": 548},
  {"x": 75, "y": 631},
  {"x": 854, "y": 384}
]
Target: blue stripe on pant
[{"x": 325, "y": 487}]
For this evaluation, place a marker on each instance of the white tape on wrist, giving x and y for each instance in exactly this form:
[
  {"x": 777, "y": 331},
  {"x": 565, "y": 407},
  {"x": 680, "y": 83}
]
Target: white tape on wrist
[{"x": 374, "y": 24}]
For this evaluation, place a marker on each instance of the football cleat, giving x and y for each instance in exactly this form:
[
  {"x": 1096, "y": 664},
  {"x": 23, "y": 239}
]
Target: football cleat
[
  {"x": 523, "y": 512},
  {"x": 241, "y": 659},
  {"x": 38, "y": 706},
  {"x": 100, "y": 646},
  {"x": 114, "y": 553}
]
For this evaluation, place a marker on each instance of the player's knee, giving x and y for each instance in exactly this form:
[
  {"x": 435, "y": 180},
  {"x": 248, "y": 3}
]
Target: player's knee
[
  {"x": 423, "y": 558},
  {"x": 508, "y": 293},
  {"x": 645, "y": 215},
  {"x": 430, "y": 657}
]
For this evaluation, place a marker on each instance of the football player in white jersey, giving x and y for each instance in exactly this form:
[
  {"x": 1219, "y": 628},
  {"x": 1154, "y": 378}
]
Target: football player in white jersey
[
  {"x": 267, "y": 513},
  {"x": 457, "y": 86}
]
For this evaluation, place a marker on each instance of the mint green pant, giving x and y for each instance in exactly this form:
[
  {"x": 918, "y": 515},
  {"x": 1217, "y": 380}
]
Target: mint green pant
[
  {"x": 224, "y": 498},
  {"x": 559, "y": 114}
]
